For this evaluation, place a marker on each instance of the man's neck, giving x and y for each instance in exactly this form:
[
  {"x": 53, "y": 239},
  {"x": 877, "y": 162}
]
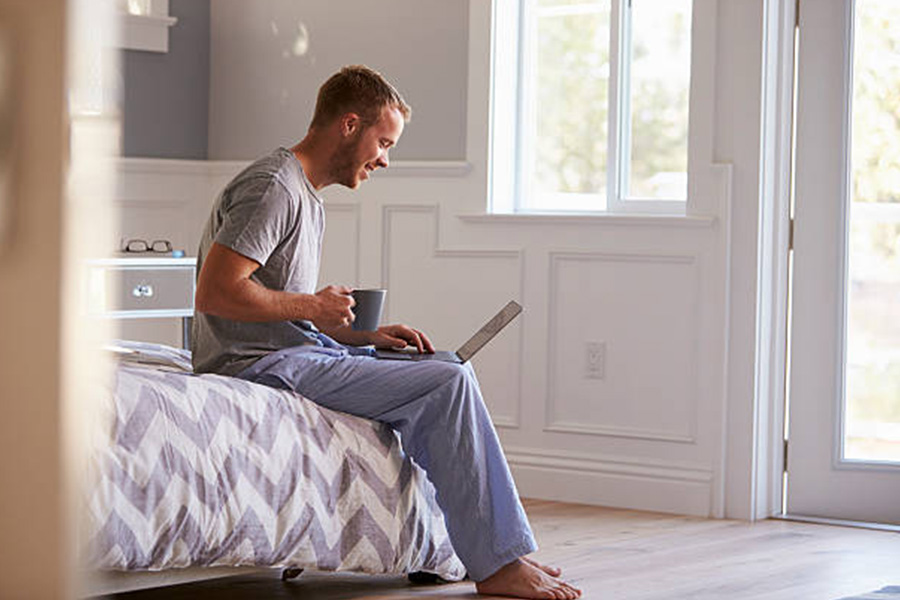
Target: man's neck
[{"x": 313, "y": 155}]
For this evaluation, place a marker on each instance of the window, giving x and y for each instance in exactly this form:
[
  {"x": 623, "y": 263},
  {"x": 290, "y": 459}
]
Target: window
[{"x": 590, "y": 105}]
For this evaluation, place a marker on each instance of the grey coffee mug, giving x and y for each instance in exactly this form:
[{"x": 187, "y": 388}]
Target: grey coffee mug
[{"x": 368, "y": 309}]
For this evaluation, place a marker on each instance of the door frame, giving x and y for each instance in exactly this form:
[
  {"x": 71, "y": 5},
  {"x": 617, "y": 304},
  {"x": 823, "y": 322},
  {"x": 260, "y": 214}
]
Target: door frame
[{"x": 773, "y": 256}]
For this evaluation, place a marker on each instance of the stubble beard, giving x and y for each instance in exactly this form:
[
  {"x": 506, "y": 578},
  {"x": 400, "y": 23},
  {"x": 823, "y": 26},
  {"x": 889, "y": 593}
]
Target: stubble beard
[{"x": 344, "y": 165}]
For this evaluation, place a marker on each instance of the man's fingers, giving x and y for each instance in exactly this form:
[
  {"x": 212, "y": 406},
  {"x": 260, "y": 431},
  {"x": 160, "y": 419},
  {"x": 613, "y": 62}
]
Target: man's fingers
[
  {"x": 337, "y": 289},
  {"x": 429, "y": 347},
  {"x": 397, "y": 342},
  {"x": 420, "y": 340},
  {"x": 408, "y": 336},
  {"x": 347, "y": 292},
  {"x": 412, "y": 336},
  {"x": 341, "y": 290}
]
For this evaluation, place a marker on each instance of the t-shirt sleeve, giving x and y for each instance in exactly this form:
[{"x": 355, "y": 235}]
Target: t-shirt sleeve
[{"x": 257, "y": 218}]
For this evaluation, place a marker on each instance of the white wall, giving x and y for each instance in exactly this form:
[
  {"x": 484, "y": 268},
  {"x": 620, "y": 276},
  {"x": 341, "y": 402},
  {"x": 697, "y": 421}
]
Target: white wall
[
  {"x": 671, "y": 426},
  {"x": 271, "y": 56}
]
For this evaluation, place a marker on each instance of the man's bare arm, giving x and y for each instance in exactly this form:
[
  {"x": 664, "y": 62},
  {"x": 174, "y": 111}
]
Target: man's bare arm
[{"x": 224, "y": 289}]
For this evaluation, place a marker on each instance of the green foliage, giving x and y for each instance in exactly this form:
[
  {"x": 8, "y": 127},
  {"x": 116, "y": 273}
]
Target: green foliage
[
  {"x": 876, "y": 102},
  {"x": 572, "y": 65},
  {"x": 660, "y": 76},
  {"x": 874, "y": 390},
  {"x": 873, "y": 385},
  {"x": 572, "y": 107}
]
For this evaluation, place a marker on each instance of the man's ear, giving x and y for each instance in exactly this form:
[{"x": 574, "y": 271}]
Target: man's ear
[{"x": 351, "y": 123}]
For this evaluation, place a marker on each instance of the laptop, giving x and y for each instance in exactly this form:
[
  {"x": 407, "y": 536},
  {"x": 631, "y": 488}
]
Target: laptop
[{"x": 467, "y": 350}]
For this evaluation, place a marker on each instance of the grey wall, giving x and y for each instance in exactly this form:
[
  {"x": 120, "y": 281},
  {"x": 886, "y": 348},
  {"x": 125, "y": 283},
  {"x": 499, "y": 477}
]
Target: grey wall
[
  {"x": 166, "y": 96},
  {"x": 265, "y": 73}
]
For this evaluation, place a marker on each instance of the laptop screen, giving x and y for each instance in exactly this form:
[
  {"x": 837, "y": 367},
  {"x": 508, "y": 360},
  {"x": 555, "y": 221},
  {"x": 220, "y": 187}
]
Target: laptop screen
[{"x": 490, "y": 329}]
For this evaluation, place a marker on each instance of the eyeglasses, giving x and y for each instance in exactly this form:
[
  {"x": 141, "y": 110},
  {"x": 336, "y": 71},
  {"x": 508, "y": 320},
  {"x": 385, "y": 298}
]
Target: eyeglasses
[{"x": 145, "y": 246}]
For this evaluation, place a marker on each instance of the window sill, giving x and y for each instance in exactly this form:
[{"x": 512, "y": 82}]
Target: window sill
[{"x": 599, "y": 219}]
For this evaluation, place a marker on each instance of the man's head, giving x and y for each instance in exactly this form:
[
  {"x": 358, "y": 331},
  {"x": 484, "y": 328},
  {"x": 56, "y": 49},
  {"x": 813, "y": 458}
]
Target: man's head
[
  {"x": 363, "y": 115},
  {"x": 360, "y": 90}
]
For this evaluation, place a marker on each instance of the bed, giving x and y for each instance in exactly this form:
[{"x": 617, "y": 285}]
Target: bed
[{"x": 211, "y": 471}]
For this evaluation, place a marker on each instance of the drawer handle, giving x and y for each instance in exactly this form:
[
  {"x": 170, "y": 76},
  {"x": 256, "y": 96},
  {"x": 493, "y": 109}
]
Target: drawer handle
[{"x": 142, "y": 291}]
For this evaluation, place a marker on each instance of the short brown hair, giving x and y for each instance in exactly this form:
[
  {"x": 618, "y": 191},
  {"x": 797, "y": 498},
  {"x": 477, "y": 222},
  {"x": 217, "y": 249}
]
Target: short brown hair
[{"x": 357, "y": 89}]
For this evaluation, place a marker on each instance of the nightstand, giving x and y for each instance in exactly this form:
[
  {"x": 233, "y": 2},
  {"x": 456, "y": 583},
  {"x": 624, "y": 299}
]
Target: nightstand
[{"x": 143, "y": 287}]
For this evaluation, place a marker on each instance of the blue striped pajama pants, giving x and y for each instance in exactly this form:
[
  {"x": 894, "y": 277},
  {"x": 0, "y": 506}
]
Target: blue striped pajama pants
[{"x": 444, "y": 426}]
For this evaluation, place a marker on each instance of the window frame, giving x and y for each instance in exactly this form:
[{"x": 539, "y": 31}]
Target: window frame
[{"x": 511, "y": 111}]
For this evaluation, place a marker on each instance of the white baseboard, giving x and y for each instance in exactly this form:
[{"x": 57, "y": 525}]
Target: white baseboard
[{"x": 633, "y": 484}]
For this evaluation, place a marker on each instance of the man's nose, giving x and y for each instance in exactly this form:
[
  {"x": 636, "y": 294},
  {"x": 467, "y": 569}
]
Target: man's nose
[{"x": 383, "y": 161}]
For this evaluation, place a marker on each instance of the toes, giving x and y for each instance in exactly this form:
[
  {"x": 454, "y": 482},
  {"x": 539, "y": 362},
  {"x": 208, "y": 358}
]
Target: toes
[
  {"x": 569, "y": 592},
  {"x": 553, "y": 571}
]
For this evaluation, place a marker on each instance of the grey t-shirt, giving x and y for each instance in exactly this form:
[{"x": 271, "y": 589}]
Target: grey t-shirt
[{"x": 271, "y": 214}]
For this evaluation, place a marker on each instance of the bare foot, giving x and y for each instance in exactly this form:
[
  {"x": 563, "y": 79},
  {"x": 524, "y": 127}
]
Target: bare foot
[
  {"x": 522, "y": 578},
  {"x": 554, "y": 571}
]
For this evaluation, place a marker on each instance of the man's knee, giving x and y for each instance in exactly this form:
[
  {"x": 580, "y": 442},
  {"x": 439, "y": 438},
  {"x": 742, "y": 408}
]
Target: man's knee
[
  {"x": 451, "y": 385},
  {"x": 461, "y": 374},
  {"x": 444, "y": 372},
  {"x": 464, "y": 384}
]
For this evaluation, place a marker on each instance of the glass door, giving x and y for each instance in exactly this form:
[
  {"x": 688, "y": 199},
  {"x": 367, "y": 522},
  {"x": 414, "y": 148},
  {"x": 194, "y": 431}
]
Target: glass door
[{"x": 844, "y": 407}]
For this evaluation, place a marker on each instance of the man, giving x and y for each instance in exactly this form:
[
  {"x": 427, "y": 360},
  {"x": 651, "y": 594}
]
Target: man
[{"x": 257, "y": 318}]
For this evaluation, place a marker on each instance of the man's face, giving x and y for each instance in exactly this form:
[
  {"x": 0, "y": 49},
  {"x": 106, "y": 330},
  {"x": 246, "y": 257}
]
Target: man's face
[{"x": 366, "y": 149}]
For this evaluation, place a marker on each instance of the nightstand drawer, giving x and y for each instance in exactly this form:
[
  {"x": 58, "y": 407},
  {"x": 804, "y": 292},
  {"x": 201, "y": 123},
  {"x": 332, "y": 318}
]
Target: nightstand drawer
[
  {"x": 142, "y": 291},
  {"x": 152, "y": 289}
]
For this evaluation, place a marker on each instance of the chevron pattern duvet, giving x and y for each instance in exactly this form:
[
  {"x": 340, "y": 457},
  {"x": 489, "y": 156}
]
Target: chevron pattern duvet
[{"x": 214, "y": 471}]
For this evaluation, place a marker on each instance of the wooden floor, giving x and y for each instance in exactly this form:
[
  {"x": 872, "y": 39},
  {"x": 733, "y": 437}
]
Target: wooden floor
[{"x": 629, "y": 555}]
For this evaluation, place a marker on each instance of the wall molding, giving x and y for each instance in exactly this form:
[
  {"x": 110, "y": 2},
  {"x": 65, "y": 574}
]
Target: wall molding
[
  {"x": 149, "y": 202},
  {"x": 635, "y": 483},
  {"x": 437, "y": 252},
  {"x": 551, "y": 424},
  {"x": 149, "y": 33},
  {"x": 387, "y": 212},
  {"x": 597, "y": 219},
  {"x": 620, "y": 432},
  {"x": 165, "y": 166},
  {"x": 426, "y": 169},
  {"x": 171, "y": 166},
  {"x": 585, "y": 462}
]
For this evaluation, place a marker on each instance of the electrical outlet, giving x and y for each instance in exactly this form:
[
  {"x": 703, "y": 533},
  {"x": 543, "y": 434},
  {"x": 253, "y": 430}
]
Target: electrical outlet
[{"x": 595, "y": 360}]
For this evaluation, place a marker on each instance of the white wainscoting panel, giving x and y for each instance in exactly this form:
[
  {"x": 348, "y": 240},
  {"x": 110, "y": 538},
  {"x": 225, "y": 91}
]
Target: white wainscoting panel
[
  {"x": 450, "y": 294},
  {"x": 164, "y": 199},
  {"x": 340, "y": 249},
  {"x": 642, "y": 309}
]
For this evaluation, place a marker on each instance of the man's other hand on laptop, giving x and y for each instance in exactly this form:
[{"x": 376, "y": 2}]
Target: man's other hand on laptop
[{"x": 398, "y": 337}]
